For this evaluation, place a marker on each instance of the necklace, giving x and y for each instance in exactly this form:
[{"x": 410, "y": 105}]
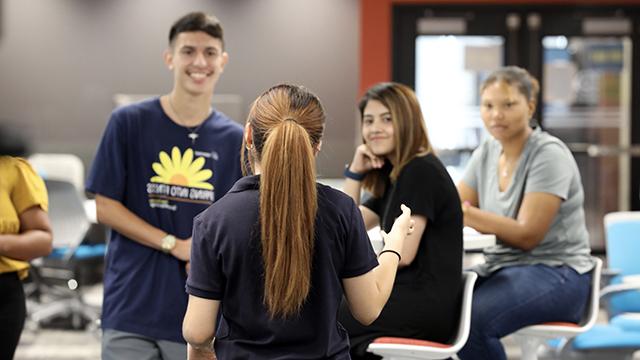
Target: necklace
[
  {"x": 193, "y": 130},
  {"x": 505, "y": 168}
]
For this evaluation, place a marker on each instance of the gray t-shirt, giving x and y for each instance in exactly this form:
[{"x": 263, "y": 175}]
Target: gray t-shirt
[{"x": 545, "y": 165}]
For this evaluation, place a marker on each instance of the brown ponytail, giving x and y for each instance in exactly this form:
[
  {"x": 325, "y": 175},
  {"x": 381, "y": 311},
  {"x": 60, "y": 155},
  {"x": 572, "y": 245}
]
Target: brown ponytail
[{"x": 287, "y": 123}]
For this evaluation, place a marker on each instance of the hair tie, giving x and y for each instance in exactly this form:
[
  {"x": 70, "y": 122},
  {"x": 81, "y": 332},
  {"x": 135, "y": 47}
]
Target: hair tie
[
  {"x": 391, "y": 251},
  {"x": 291, "y": 119}
]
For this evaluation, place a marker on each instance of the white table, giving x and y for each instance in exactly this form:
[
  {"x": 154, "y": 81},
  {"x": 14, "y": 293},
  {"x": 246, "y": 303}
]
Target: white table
[{"x": 472, "y": 240}]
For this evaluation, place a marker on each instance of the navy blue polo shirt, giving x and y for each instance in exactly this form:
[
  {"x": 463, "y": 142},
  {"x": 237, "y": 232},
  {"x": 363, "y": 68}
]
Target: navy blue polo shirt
[{"x": 226, "y": 265}]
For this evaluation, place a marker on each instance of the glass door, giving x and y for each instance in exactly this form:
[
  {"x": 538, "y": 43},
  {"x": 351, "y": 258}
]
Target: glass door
[
  {"x": 447, "y": 86},
  {"x": 583, "y": 58},
  {"x": 586, "y": 104},
  {"x": 445, "y": 54}
]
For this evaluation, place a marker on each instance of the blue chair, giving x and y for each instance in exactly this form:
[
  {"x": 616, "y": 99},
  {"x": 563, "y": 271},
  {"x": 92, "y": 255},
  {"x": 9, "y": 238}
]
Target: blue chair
[
  {"x": 622, "y": 231},
  {"x": 620, "y": 337},
  {"x": 604, "y": 342},
  {"x": 627, "y": 322}
]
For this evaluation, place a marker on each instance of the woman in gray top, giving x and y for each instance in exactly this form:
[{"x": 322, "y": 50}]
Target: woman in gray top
[{"x": 523, "y": 185}]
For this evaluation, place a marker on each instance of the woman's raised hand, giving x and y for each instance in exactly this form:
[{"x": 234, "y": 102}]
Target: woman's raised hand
[
  {"x": 402, "y": 226},
  {"x": 364, "y": 160}
]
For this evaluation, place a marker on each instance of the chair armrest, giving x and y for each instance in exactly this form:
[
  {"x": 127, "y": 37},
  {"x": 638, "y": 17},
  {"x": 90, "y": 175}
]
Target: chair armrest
[
  {"x": 609, "y": 290},
  {"x": 611, "y": 272},
  {"x": 631, "y": 279}
]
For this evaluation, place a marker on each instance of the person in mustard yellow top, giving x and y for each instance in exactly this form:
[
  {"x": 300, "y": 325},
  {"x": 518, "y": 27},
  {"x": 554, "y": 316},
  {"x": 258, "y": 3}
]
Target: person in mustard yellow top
[{"x": 25, "y": 234}]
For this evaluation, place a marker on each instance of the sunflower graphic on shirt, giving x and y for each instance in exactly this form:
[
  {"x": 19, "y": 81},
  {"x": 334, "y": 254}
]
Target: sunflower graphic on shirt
[
  {"x": 179, "y": 177},
  {"x": 181, "y": 169}
]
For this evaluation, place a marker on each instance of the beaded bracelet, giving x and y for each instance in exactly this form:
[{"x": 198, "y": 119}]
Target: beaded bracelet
[{"x": 391, "y": 251}]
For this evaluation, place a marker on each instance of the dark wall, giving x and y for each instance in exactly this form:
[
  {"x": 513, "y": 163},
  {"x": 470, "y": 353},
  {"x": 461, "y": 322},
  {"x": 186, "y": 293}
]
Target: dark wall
[{"x": 61, "y": 62}]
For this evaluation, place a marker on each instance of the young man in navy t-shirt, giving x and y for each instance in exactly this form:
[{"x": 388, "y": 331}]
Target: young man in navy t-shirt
[{"x": 161, "y": 162}]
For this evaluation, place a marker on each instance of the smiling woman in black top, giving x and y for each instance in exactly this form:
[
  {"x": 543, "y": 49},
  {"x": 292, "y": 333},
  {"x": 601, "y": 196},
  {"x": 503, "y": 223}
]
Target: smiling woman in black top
[
  {"x": 397, "y": 165},
  {"x": 276, "y": 252}
]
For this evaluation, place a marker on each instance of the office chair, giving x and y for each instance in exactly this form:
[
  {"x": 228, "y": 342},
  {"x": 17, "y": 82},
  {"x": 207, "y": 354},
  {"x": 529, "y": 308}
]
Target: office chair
[
  {"x": 55, "y": 277},
  {"x": 622, "y": 230},
  {"x": 531, "y": 337},
  {"x": 394, "y": 348},
  {"x": 63, "y": 167},
  {"x": 619, "y": 339}
]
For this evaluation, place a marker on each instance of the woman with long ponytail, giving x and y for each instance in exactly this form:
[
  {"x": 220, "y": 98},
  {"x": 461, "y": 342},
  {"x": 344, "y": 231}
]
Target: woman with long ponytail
[{"x": 276, "y": 255}]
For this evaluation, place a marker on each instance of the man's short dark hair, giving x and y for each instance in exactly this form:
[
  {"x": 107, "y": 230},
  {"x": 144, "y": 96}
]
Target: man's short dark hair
[{"x": 197, "y": 21}]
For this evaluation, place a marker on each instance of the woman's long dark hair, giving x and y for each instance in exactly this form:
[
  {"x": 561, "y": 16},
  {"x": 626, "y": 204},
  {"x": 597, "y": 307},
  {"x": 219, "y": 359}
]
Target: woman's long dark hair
[{"x": 410, "y": 133}]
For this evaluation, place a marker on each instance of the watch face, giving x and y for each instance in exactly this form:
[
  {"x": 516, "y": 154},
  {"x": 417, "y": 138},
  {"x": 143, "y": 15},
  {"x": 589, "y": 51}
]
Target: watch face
[{"x": 168, "y": 243}]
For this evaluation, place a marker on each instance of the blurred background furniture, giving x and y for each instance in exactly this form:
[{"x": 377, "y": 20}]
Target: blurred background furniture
[
  {"x": 394, "y": 348},
  {"x": 619, "y": 338},
  {"x": 622, "y": 231},
  {"x": 65, "y": 167},
  {"x": 56, "y": 289}
]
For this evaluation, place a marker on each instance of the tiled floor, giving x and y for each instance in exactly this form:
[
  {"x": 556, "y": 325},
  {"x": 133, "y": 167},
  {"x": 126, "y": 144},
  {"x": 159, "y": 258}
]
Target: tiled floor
[
  {"x": 52, "y": 344},
  {"x": 58, "y": 345}
]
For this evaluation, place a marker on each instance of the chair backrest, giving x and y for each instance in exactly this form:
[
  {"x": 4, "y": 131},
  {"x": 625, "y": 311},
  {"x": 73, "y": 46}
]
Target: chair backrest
[
  {"x": 563, "y": 329},
  {"x": 401, "y": 348},
  {"x": 622, "y": 231},
  {"x": 68, "y": 218},
  {"x": 464, "y": 326},
  {"x": 63, "y": 167}
]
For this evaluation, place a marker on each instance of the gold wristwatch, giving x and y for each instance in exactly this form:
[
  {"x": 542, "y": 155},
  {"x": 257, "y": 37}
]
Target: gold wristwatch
[{"x": 168, "y": 243}]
